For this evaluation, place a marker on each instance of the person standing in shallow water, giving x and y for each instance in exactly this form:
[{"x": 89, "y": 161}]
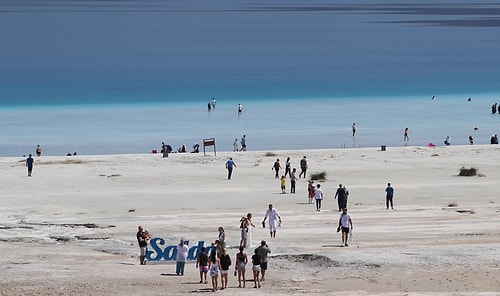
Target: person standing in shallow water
[
  {"x": 353, "y": 129},
  {"x": 240, "y": 109},
  {"x": 236, "y": 145},
  {"x": 406, "y": 136},
  {"x": 243, "y": 143},
  {"x": 29, "y": 164},
  {"x": 38, "y": 150}
]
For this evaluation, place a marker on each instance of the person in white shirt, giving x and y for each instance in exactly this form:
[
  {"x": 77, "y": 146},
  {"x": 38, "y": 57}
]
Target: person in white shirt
[
  {"x": 319, "y": 197},
  {"x": 345, "y": 224},
  {"x": 274, "y": 217}
]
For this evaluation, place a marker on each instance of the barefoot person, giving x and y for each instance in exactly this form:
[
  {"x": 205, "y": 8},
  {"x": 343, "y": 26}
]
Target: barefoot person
[
  {"x": 214, "y": 267},
  {"x": 263, "y": 250},
  {"x": 182, "y": 254},
  {"x": 29, "y": 164},
  {"x": 202, "y": 264},
  {"x": 256, "y": 260},
  {"x": 229, "y": 166},
  {"x": 241, "y": 262},
  {"x": 274, "y": 217},
  {"x": 246, "y": 231},
  {"x": 143, "y": 238},
  {"x": 345, "y": 224},
  {"x": 225, "y": 263}
]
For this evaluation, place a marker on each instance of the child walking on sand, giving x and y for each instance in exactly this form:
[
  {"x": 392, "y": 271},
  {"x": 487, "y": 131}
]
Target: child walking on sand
[
  {"x": 202, "y": 263},
  {"x": 311, "y": 193},
  {"x": 283, "y": 184}
]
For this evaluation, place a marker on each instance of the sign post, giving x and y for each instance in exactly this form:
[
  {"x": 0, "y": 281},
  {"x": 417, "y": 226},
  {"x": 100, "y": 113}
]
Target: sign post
[{"x": 209, "y": 142}]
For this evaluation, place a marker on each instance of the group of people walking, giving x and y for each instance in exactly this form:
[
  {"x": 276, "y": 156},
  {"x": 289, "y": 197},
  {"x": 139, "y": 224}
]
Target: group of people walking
[{"x": 218, "y": 262}]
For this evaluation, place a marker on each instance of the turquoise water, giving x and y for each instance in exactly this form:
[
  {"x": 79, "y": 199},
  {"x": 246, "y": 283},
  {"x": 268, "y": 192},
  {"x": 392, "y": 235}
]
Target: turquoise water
[{"x": 121, "y": 77}]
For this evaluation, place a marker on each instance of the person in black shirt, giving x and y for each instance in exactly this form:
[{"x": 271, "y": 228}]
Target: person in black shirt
[
  {"x": 225, "y": 262},
  {"x": 143, "y": 238},
  {"x": 256, "y": 260}
]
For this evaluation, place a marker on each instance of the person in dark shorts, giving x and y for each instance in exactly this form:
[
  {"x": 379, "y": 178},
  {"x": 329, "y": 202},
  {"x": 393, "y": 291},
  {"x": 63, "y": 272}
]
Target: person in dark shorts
[
  {"x": 345, "y": 224},
  {"x": 263, "y": 250}
]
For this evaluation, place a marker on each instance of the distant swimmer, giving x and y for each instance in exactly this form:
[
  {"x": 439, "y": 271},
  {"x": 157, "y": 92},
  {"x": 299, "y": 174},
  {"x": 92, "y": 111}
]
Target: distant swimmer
[
  {"x": 240, "y": 109},
  {"x": 213, "y": 103},
  {"x": 494, "y": 108},
  {"x": 469, "y": 99},
  {"x": 209, "y": 106},
  {"x": 406, "y": 136},
  {"x": 433, "y": 97}
]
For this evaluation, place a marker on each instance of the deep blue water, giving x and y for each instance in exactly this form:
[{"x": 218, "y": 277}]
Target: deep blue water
[{"x": 122, "y": 76}]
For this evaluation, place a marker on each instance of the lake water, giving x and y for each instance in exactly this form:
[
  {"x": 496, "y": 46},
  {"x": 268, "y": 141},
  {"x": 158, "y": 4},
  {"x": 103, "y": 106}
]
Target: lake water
[{"x": 101, "y": 77}]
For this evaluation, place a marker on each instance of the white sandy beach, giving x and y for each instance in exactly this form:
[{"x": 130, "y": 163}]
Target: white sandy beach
[{"x": 70, "y": 229}]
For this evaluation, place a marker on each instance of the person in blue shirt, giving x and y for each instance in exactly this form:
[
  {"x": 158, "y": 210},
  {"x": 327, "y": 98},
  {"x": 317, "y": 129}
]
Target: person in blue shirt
[
  {"x": 229, "y": 166},
  {"x": 389, "y": 195},
  {"x": 29, "y": 164}
]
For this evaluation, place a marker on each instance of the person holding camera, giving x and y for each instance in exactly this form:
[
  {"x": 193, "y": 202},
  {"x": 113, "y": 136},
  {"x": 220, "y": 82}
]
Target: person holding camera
[
  {"x": 182, "y": 253},
  {"x": 263, "y": 250}
]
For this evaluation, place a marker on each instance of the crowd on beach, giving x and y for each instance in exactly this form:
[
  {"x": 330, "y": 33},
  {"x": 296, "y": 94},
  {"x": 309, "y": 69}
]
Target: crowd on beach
[
  {"x": 215, "y": 260},
  {"x": 218, "y": 262}
]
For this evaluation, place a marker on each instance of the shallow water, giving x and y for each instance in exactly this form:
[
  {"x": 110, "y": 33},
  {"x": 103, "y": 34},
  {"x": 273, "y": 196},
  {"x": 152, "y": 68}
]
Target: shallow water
[{"x": 121, "y": 77}]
